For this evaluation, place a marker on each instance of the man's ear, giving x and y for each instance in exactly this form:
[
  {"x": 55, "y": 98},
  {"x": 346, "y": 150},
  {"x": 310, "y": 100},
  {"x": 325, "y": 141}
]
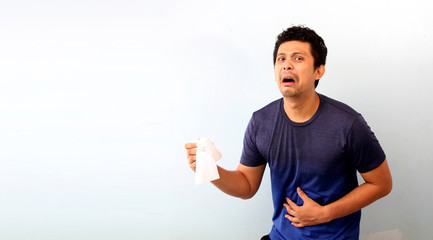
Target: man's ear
[{"x": 319, "y": 71}]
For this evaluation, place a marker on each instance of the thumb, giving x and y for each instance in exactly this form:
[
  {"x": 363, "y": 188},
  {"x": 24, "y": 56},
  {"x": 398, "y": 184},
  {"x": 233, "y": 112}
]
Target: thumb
[{"x": 302, "y": 195}]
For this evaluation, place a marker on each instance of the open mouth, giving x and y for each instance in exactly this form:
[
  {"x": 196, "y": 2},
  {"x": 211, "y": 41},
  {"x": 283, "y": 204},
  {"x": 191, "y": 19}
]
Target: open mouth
[{"x": 288, "y": 80}]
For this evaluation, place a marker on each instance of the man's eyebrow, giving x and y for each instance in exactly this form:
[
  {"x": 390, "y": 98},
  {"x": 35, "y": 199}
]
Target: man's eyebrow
[
  {"x": 292, "y": 54},
  {"x": 296, "y": 53}
]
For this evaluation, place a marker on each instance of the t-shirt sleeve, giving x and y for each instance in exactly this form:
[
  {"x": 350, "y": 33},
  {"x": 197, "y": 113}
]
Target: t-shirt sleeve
[
  {"x": 364, "y": 148},
  {"x": 251, "y": 156}
]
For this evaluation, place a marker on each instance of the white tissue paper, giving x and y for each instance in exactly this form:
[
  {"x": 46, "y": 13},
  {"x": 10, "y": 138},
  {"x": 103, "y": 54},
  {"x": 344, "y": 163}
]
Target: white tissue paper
[{"x": 206, "y": 169}]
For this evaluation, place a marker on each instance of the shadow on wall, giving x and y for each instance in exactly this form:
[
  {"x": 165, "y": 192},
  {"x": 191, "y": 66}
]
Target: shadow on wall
[{"x": 387, "y": 235}]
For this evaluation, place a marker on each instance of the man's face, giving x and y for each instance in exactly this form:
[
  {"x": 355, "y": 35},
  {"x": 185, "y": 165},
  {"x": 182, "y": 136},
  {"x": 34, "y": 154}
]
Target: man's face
[{"x": 294, "y": 69}]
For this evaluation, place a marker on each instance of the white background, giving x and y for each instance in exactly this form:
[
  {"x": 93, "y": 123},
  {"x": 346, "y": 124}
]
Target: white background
[{"x": 97, "y": 99}]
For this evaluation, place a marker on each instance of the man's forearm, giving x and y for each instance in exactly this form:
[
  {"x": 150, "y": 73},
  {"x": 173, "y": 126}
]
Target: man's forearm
[
  {"x": 233, "y": 183},
  {"x": 357, "y": 199},
  {"x": 243, "y": 182},
  {"x": 378, "y": 183}
]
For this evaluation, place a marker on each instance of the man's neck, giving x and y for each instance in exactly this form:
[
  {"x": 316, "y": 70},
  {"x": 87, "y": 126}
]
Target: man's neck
[{"x": 301, "y": 109}]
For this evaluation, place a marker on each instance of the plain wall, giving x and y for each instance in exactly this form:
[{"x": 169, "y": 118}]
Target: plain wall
[{"x": 98, "y": 98}]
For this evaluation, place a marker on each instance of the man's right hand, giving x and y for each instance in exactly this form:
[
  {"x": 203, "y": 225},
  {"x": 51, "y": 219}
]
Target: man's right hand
[
  {"x": 191, "y": 149},
  {"x": 243, "y": 182}
]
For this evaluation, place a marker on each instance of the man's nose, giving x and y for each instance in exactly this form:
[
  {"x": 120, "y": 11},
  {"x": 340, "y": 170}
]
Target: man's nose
[{"x": 287, "y": 65}]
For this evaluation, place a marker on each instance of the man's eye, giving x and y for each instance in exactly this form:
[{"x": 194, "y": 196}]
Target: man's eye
[
  {"x": 280, "y": 59},
  {"x": 298, "y": 59}
]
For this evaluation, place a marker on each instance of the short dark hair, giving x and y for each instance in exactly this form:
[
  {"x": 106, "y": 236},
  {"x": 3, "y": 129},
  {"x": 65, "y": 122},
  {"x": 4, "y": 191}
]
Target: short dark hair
[{"x": 304, "y": 34}]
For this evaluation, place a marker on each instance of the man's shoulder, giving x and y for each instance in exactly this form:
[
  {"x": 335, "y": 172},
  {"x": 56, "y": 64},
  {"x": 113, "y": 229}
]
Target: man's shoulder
[
  {"x": 271, "y": 107},
  {"x": 337, "y": 107},
  {"x": 269, "y": 110}
]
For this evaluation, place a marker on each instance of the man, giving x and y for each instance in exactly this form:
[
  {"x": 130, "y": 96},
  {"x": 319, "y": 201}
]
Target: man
[{"x": 313, "y": 145}]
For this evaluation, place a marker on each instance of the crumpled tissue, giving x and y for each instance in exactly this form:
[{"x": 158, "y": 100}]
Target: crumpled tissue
[{"x": 206, "y": 169}]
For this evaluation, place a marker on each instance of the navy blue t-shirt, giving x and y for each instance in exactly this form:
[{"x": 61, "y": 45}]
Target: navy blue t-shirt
[{"x": 321, "y": 156}]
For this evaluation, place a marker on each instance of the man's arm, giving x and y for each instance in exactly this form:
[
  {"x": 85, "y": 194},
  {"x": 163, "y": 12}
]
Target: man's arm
[
  {"x": 244, "y": 182},
  {"x": 378, "y": 183}
]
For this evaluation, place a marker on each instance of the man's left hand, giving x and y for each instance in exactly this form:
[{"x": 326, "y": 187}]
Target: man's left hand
[{"x": 310, "y": 213}]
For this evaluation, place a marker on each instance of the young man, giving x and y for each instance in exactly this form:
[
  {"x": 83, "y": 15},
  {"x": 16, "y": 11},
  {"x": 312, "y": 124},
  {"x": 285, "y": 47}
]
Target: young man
[{"x": 313, "y": 145}]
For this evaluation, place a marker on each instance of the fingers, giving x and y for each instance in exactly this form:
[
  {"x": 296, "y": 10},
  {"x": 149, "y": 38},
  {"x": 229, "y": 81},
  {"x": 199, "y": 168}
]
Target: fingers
[
  {"x": 290, "y": 206},
  {"x": 302, "y": 195},
  {"x": 294, "y": 220},
  {"x": 193, "y": 166},
  {"x": 289, "y": 210},
  {"x": 190, "y": 145},
  {"x": 191, "y": 155},
  {"x": 296, "y": 214},
  {"x": 292, "y": 215},
  {"x": 192, "y": 151},
  {"x": 291, "y": 203},
  {"x": 298, "y": 224}
]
